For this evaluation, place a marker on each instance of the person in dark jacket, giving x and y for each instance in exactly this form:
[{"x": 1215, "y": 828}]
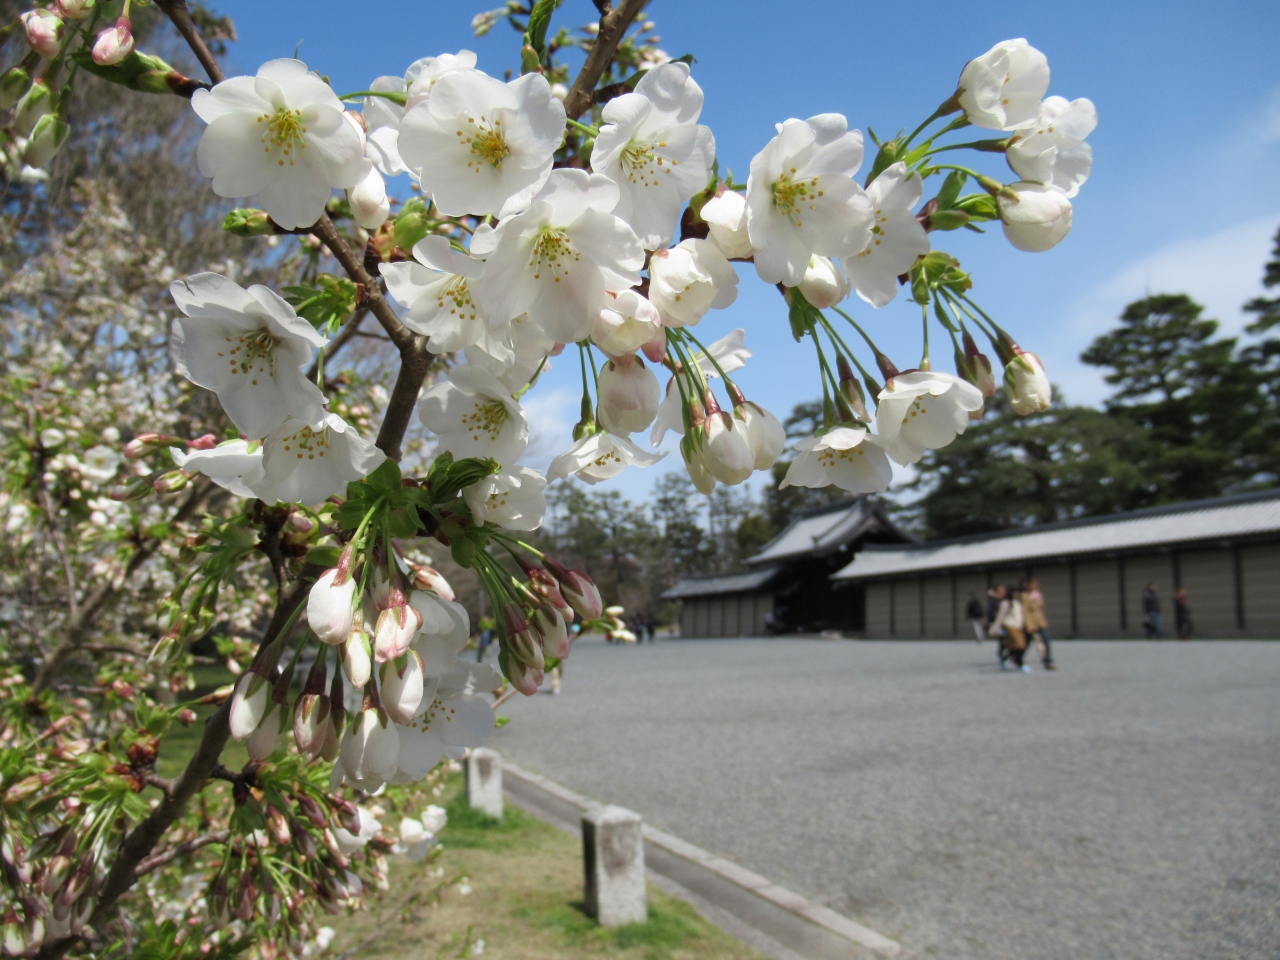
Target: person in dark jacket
[
  {"x": 1182, "y": 615},
  {"x": 978, "y": 617},
  {"x": 1151, "y": 622}
]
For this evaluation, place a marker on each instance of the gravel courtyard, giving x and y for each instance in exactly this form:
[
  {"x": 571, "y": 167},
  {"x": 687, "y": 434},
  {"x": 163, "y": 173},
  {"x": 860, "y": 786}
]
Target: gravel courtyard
[{"x": 1126, "y": 806}]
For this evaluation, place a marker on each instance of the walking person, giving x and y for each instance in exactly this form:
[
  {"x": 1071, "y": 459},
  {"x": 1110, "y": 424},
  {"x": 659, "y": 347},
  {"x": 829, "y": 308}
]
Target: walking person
[
  {"x": 1037, "y": 623},
  {"x": 1011, "y": 620},
  {"x": 994, "y": 598},
  {"x": 1151, "y": 622},
  {"x": 978, "y": 617},
  {"x": 1182, "y": 615},
  {"x": 486, "y": 638}
]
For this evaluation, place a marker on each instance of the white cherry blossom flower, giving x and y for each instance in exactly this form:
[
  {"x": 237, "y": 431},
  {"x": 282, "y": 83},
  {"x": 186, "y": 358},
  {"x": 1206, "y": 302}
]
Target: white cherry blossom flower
[
  {"x": 726, "y": 448},
  {"x": 370, "y": 751},
  {"x": 310, "y": 462},
  {"x": 235, "y": 465},
  {"x": 802, "y": 200},
  {"x": 765, "y": 434},
  {"x": 99, "y": 465},
  {"x": 512, "y": 499},
  {"x": 474, "y": 415},
  {"x": 402, "y": 686},
  {"x": 653, "y": 148},
  {"x": 438, "y": 292},
  {"x": 248, "y": 347},
  {"x": 1052, "y": 151},
  {"x": 690, "y": 279},
  {"x": 415, "y": 839},
  {"x": 481, "y": 146},
  {"x": 383, "y": 117},
  {"x": 280, "y": 136},
  {"x": 51, "y": 437},
  {"x": 458, "y": 716},
  {"x": 1038, "y": 220},
  {"x": 923, "y": 410},
  {"x": 330, "y": 606},
  {"x": 823, "y": 284},
  {"x": 444, "y": 632},
  {"x": 897, "y": 238},
  {"x": 848, "y": 457},
  {"x": 627, "y": 322},
  {"x": 730, "y": 352},
  {"x": 558, "y": 259},
  {"x": 600, "y": 456},
  {"x": 726, "y": 218},
  {"x": 628, "y": 395},
  {"x": 1001, "y": 89}
]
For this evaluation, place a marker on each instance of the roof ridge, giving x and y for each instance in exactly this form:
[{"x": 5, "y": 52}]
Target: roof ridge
[{"x": 1186, "y": 506}]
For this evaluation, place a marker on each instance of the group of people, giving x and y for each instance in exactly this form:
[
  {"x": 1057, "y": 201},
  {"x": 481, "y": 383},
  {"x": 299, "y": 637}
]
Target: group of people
[
  {"x": 1013, "y": 616},
  {"x": 1153, "y": 623}
]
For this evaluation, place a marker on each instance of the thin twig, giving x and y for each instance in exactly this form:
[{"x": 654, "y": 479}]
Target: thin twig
[
  {"x": 181, "y": 850},
  {"x": 506, "y": 695},
  {"x": 177, "y": 12}
]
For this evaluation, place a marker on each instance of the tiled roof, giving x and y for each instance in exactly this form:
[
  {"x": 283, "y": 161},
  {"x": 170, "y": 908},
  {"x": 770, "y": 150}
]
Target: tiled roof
[{"x": 725, "y": 583}]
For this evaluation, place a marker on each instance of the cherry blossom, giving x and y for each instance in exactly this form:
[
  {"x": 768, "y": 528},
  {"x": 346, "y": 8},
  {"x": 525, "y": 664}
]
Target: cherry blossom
[
  {"x": 628, "y": 395},
  {"x": 309, "y": 462},
  {"x": 44, "y": 31},
  {"x": 383, "y": 117},
  {"x": 922, "y": 410},
  {"x": 726, "y": 218},
  {"x": 1038, "y": 220},
  {"x": 456, "y": 717},
  {"x": 512, "y": 499},
  {"x": 765, "y": 434},
  {"x": 690, "y": 279},
  {"x": 481, "y": 146},
  {"x": 823, "y": 284},
  {"x": 558, "y": 259},
  {"x": 235, "y": 465},
  {"x": 114, "y": 43},
  {"x": 653, "y": 148},
  {"x": 729, "y": 352},
  {"x": 437, "y": 288},
  {"x": 99, "y": 465},
  {"x": 600, "y": 456},
  {"x": 1052, "y": 151},
  {"x": 1027, "y": 384},
  {"x": 248, "y": 347},
  {"x": 1001, "y": 89},
  {"x": 280, "y": 136},
  {"x": 474, "y": 415},
  {"x": 802, "y": 200},
  {"x": 897, "y": 238},
  {"x": 848, "y": 457},
  {"x": 626, "y": 323},
  {"x": 370, "y": 206}
]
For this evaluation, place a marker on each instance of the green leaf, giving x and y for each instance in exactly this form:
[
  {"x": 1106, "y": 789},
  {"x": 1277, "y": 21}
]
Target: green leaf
[
  {"x": 131, "y": 72},
  {"x": 535, "y": 34},
  {"x": 385, "y": 481},
  {"x": 349, "y": 515},
  {"x": 404, "y": 523},
  {"x": 325, "y": 556},
  {"x": 331, "y": 302},
  {"x": 979, "y": 206},
  {"x": 951, "y": 188}
]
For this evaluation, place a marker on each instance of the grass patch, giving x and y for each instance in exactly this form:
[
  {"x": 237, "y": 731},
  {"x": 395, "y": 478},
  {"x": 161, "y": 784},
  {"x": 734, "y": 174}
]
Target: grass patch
[
  {"x": 525, "y": 902},
  {"x": 181, "y": 742}
]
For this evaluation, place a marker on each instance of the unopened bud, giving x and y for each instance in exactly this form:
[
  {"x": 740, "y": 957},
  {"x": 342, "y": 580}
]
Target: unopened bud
[
  {"x": 145, "y": 444},
  {"x": 35, "y": 103},
  {"x": 133, "y": 489},
  {"x": 44, "y": 32},
  {"x": 114, "y": 43},
  {"x": 245, "y": 222},
  {"x": 75, "y": 9},
  {"x": 15, "y": 82},
  {"x": 171, "y": 482}
]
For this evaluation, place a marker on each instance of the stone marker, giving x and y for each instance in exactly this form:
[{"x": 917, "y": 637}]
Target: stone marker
[
  {"x": 484, "y": 782},
  {"x": 613, "y": 858}
]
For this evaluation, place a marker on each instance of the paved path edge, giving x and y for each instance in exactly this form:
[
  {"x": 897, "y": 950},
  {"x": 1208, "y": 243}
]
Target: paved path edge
[{"x": 727, "y": 887}]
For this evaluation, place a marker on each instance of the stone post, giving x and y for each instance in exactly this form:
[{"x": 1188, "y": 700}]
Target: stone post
[
  {"x": 484, "y": 782},
  {"x": 613, "y": 858}
]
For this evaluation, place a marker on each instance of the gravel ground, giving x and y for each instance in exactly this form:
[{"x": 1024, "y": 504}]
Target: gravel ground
[{"x": 1126, "y": 806}]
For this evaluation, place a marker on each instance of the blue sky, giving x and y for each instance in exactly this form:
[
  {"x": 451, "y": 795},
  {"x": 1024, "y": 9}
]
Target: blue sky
[{"x": 1183, "y": 196}]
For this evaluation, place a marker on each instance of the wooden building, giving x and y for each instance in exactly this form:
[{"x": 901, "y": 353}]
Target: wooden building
[
  {"x": 787, "y": 586},
  {"x": 1225, "y": 552}
]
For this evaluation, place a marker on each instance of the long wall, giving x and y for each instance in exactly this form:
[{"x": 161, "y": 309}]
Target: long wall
[
  {"x": 1233, "y": 591},
  {"x": 725, "y": 615}
]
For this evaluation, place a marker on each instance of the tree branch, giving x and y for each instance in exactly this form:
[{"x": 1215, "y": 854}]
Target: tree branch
[
  {"x": 415, "y": 358},
  {"x": 613, "y": 26},
  {"x": 79, "y": 623},
  {"x": 181, "y": 850},
  {"x": 177, "y": 12}
]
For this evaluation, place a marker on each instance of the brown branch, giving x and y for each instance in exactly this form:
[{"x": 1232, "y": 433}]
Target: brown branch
[
  {"x": 181, "y": 850},
  {"x": 177, "y": 12},
  {"x": 415, "y": 358},
  {"x": 144, "y": 837},
  {"x": 79, "y": 624},
  {"x": 613, "y": 26},
  {"x": 163, "y": 784}
]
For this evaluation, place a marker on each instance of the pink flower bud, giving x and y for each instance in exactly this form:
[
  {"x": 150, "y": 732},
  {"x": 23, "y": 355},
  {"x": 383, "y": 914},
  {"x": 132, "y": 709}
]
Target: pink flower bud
[
  {"x": 578, "y": 589},
  {"x": 75, "y": 9},
  {"x": 402, "y": 687},
  {"x": 552, "y": 631},
  {"x": 524, "y": 679},
  {"x": 206, "y": 442},
  {"x": 629, "y": 395},
  {"x": 394, "y": 631},
  {"x": 44, "y": 32},
  {"x": 114, "y": 43},
  {"x": 330, "y": 605},
  {"x": 171, "y": 482},
  {"x": 145, "y": 444},
  {"x": 1027, "y": 384},
  {"x": 726, "y": 450},
  {"x": 521, "y": 640},
  {"x": 133, "y": 489},
  {"x": 248, "y": 704},
  {"x": 357, "y": 657},
  {"x": 311, "y": 714},
  {"x": 428, "y": 578}
]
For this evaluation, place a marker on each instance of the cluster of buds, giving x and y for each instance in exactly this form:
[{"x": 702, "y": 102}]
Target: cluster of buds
[
  {"x": 533, "y": 626},
  {"x": 165, "y": 479},
  {"x": 729, "y": 447},
  {"x": 61, "y": 882},
  {"x": 1025, "y": 381}
]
